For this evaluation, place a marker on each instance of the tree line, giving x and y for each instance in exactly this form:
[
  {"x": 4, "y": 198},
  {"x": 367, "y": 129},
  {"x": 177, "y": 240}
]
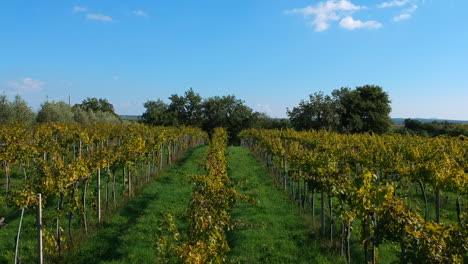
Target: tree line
[
  {"x": 190, "y": 109},
  {"x": 90, "y": 110},
  {"x": 345, "y": 110},
  {"x": 363, "y": 109},
  {"x": 433, "y": 129}
]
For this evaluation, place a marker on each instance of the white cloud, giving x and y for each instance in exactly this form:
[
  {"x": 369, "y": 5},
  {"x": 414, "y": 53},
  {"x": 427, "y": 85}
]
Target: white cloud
[
  {"x": 351, "y": 24},
  {"x": 406, "y": 14},
  {"x": 25, "y": 85},
  {"x": 115, "y": 77},
  {"x": 99, "y": 17},
  {"x": 393, "y": 3},
  {"x": 80, "y": 9},
  {"x": 325, "y": 12},
  {"x": 140, "y": 13},
  {"x": 401, "y": 17}
]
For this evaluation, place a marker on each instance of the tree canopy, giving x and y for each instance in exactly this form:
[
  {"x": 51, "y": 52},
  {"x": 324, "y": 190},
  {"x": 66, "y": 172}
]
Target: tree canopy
[
  {"x": 55, "y": 112},
  {"x": 433, "y": 129},
  {"x": 191, "y": 109},
  {"x": 15, "y": 111},
  {"x": 186, "y": 109},
  {"x": 319, "y": 112},
  {"x": 364, "y": 109},
  {"x": 96, "y": 105},
  {"x": 91, "y": 111},
  {"x": 228, "y": 112},
  {"x": 156, "y": 113}
]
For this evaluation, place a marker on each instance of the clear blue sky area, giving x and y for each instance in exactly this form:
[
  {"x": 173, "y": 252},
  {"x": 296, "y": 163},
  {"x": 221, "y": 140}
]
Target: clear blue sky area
[{"x": 269, "y": 53}]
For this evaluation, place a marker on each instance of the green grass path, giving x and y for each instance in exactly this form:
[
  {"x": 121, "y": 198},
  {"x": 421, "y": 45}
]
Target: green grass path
[
  {"x": 285, "y": 236},
  {"x": 130, "y": 235}
]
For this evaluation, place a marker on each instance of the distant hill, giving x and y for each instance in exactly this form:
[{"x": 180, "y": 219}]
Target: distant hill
[
  {"x": 400, "y": 121},
  {"x": 131, "y": 117}
]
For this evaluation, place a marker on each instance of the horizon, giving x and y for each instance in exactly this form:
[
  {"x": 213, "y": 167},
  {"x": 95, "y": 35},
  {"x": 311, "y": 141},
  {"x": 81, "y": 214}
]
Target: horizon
[{"x": 270, "y": 54}]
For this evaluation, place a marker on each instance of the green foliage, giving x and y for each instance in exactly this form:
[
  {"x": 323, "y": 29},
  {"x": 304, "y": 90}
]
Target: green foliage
[
  {"x": 5, "y": 110},
  {"x": 320, "y": 112},
  {"x": 209, "y": 212},
  {"x": 364, "y": 109},
  {"x": 155, "y": 114},
  {"x": 182, "y": 110},
  {"x": 58, "y": 160},
  {"x": 15, "y": 111},
  {"x": 55, "y": 112},
  {"x": 420, "y": 241},
  {"x": 433, "y": 129},
  {"x": 362, "y": 172},
  {"x": 186, "y": 109},
  {"x": 190, "y": 110},
  {"x": 227, "y": 112},
  {"x": 96, "y": 105},
  {"x": 93, "y": 110},
  {"x": 83, "y": 114},
  {"x": 87, "y": 117},
  {"x": 21, "y": 111}
]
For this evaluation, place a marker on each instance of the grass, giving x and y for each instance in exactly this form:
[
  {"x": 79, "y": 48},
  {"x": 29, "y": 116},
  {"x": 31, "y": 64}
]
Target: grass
[{"x": 282, "y": 234}]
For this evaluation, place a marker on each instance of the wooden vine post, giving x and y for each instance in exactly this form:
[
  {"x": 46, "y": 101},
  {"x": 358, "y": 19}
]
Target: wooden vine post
[
  {"x": 39, "y": 229},
  {"x": 99, "y": 195}
]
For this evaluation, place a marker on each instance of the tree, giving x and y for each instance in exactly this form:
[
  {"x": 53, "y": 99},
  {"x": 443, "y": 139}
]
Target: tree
[
  {"x": 155, "y": 114},
  {"x": 317, "y": 113},
  {"x": 55, "y": 112},
  {"x": 186, "y": 109},
  {"x": 87, "y": 117},
  {"x": 5, "y": 110},
  {"x": 96, "y": 105},
  {"x": 82, "y": 116},
  {"x": 365, "y": 109},
  {"x": 434, "y": 128},
  {"x": 106, "y": 117},
  {"x": 191, "y": 110},
  {"x": 20, "y": 110},
  {"x": 17, "y": 110},
  {"x": 227, "y": 112},
  {"x": 183, "y": 110},
  {"x": 94, "y": 110}
]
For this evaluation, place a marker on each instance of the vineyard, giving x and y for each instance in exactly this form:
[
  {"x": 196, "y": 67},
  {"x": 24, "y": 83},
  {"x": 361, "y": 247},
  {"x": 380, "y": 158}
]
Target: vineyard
[
  {"x": 368, "y": 181},
  {"x": 69, "y": 175},
  {"x": 67, "y": 186}
]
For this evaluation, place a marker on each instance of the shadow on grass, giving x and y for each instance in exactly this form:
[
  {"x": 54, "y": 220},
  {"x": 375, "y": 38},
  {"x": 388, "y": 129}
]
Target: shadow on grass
[{"x": 106, "y": 242}]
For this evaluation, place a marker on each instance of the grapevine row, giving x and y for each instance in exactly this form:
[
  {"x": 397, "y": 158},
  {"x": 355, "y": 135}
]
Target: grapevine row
[
  {"x": 60, "y": 161},
  {"x": 366, "y": 178},
  {"x": 209, "y": 214}
]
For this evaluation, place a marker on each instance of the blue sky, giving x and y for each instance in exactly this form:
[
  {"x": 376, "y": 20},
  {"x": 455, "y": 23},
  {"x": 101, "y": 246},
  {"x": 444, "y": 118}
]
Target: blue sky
[{"x": 269, "y": 53}]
